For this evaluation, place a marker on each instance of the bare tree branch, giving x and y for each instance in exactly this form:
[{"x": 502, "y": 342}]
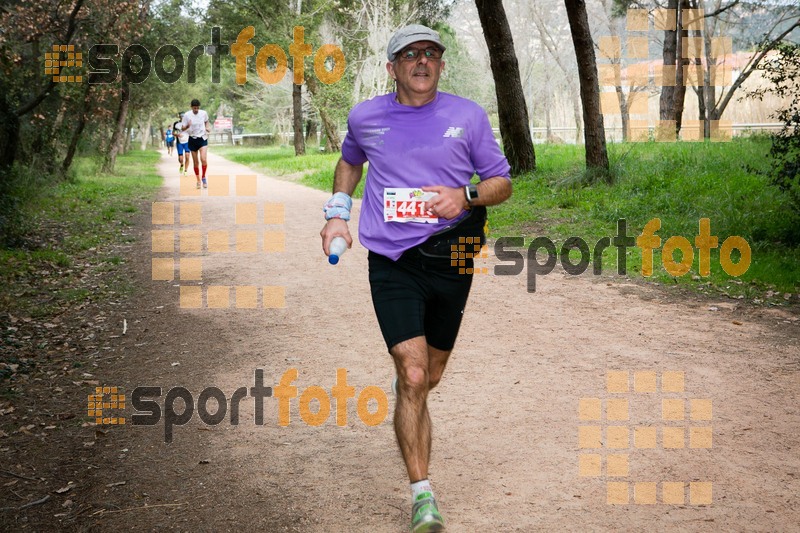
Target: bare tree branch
[{"x": 765, "y": 46}]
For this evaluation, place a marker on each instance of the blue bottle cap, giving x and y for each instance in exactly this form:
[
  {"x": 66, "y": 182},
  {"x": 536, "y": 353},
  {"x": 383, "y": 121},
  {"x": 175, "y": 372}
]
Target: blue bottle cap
[{"x": 333, "y": 259}]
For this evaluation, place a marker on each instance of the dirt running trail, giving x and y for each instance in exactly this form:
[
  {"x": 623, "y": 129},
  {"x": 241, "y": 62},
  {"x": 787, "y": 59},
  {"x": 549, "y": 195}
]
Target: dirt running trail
[{"x": 506, "y": 416}]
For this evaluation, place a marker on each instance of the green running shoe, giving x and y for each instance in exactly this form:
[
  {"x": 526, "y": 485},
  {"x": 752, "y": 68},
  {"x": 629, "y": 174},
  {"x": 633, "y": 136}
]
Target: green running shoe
[{"x": 425, "y": 516}]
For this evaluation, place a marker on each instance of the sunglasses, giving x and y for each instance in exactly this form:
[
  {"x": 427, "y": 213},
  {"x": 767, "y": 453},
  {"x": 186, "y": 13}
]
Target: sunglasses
[{"x": 410, "y": 54}]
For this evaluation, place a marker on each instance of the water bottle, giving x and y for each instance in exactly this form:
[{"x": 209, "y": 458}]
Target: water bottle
[{"x": 337, "y": 247}]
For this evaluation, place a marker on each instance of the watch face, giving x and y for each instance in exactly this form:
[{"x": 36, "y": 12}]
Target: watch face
[{"x": 473, "y": 192}]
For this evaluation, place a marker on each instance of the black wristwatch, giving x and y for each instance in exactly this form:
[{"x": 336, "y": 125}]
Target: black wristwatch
[{"x": 471, "y": 191}]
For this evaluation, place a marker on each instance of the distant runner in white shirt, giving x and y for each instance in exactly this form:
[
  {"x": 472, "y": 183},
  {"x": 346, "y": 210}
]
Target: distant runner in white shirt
[
  {"x": 182, "y": 140},
  {"x": 196, "y": 122}
]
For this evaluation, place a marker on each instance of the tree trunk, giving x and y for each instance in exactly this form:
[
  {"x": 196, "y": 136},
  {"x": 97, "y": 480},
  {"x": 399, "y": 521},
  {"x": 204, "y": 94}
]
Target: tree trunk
[
  {"x": 669, "y": 55},
  {"x": 576, "y": 112},
  {"x": 333, "y": 144},
  {"x": 594, "y": 131},
  {"x": 130, "y": 120},
  {"x": 9, "y": 129},
  {"x": 707, "y": 95},
  {"x": 701, "y": 111},
  {"x": 123, "y": 140},
  {"x": 59, "y": 118},
  {"x": 548, "y": 125},
  {"x": 117, "y": 140},
  {"x": 297, "y": 113},
  {"x": 680, "y": 84},
  {"x": 76, "y": 135},
  {"x": 311, "y": 130},
  {"x": 623, "y": 112},
  {"x": 145, "y": 133},
  {"x": 511, "y": 106},
  {"x": 548, "y": 95},
  {"x": 42, "y": 142},
  {"x": 357, "y": 80}
]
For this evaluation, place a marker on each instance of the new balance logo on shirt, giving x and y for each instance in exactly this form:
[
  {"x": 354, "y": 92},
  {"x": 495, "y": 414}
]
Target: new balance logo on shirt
[{"x": 452, "y": 131}]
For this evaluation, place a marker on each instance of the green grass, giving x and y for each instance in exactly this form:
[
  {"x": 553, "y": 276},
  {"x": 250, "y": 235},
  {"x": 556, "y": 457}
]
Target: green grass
[
  {"x": 70, "y": 225},
  {"x": 678, "y": 183},
  {"x": 280, "y": 161},
  {"x": 315, "y": 169}
]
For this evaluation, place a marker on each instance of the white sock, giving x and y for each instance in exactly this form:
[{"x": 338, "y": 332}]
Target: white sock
[{"x": 420, "y": 487}]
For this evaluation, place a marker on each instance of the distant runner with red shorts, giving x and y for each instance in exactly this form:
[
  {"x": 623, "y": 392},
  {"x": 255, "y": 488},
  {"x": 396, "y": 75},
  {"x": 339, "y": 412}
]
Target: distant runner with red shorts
[{"x": 195, "y": 122}]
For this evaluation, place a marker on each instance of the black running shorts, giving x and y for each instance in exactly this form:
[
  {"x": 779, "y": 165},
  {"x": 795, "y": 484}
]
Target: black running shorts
[
  {"x": 423, "y": 293},
  {"x": 418, "y": 295},
  {"x": 195, "y": 143}
]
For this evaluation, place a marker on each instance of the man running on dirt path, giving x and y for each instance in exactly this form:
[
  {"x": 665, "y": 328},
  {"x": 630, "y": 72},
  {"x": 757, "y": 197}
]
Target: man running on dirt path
[
  {"x": 169, "y": 140},
  {"x": 182, "y": 143},
  {"x": 423, "y": 147},
  {"x": 196, "y": 122}
]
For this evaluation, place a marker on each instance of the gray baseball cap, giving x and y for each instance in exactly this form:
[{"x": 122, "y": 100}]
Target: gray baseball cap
[{"x": 412, "y": 34}]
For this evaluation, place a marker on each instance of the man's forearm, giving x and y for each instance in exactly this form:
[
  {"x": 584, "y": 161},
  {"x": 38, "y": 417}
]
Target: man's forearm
[
  {"x": 346, "y": 177},
  {"x": 493, "y": 191}
]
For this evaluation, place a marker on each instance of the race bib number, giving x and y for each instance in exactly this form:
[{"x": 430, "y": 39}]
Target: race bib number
[{"x": 407, "y": 205}]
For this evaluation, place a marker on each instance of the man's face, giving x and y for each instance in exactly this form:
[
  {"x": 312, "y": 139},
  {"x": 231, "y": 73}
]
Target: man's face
[
  {"x": 195, "y": 109},
  {"x": 420, "y": 74}
]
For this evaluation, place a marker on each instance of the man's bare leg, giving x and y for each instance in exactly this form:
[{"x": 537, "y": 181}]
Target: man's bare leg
[
  {"x": 412, "y": 423},
  {"x": 204, "y": 162},
  {"x": 196, "y": 167},
  {"x": 437, "y": 360},
  {"x": 419, "y": 369}
]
